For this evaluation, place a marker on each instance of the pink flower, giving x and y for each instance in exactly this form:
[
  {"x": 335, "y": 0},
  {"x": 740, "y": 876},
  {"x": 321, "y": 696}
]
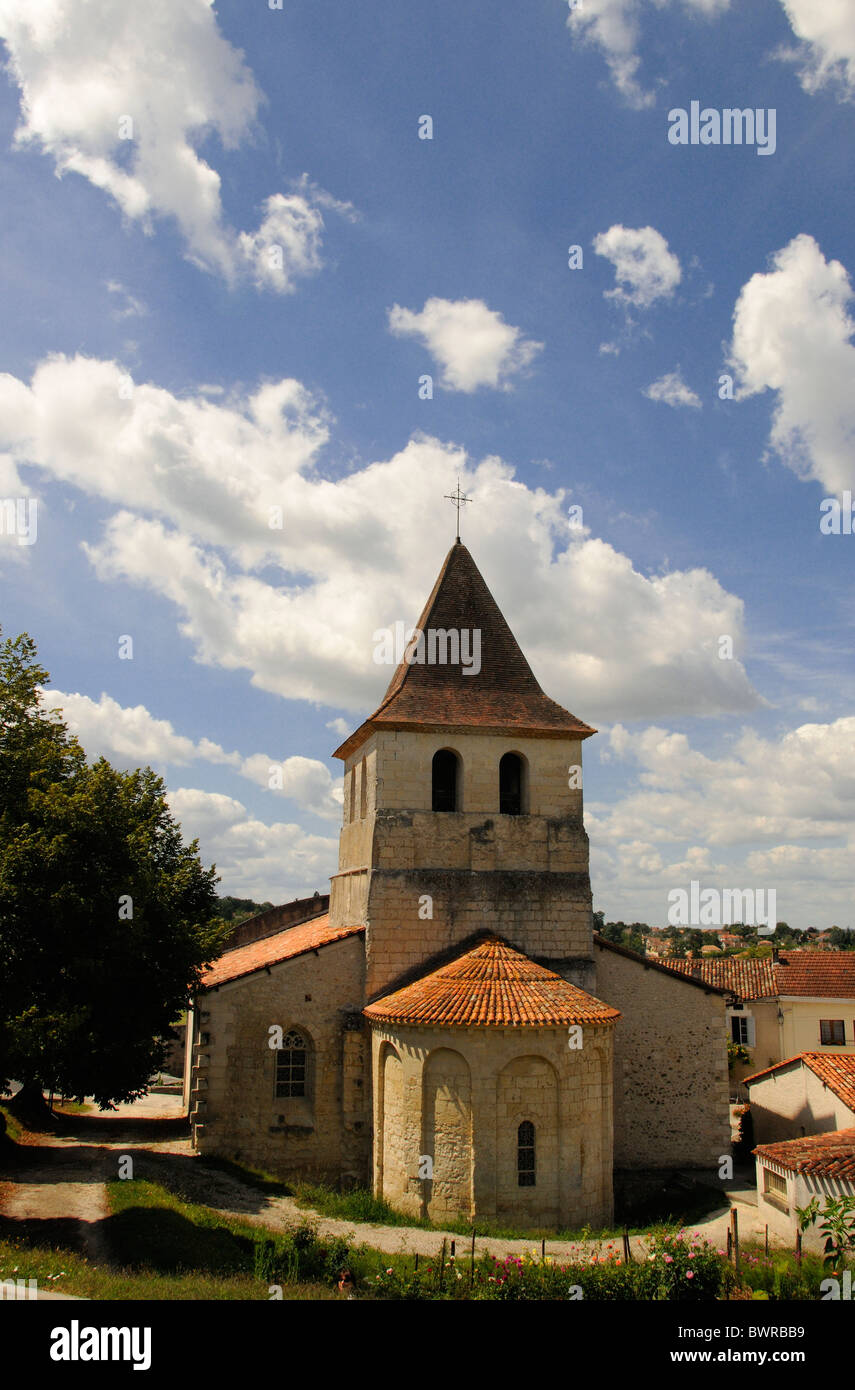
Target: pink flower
[
  {"x": 690, "y": 1274},
  {"x": 669, "y": 1259}
]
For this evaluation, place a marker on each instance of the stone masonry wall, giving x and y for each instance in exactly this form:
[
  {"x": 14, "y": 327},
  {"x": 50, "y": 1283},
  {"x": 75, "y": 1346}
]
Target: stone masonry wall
[
  {"x": 445, "y": 1082},
  {"x": 542, "y": 914},
  {"x": 670, "y": 1075},
  {"x": 234, "y": 1109}
]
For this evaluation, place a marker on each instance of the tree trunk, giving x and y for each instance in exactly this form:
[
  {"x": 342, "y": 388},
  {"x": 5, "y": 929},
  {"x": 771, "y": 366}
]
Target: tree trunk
[{"x": 30, "y": 1101}]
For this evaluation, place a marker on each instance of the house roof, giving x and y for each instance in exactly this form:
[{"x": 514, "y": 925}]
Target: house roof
[
  {"x": 272, "y": 950},
  {"x": 491, "y": 985},
  {"x": 809, "y": 974},
  {"x": 826, "y": 1155},
  {"x": 502, "y": 697},
  {"x": 825, "y": 974},
  {"x": 835, "y": 1069},
  {"x": 750, "y": 979}
]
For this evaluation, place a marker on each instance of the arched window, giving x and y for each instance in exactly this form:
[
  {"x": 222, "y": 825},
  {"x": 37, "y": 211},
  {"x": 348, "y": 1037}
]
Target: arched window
[
  {"x": 511, "y": 785},
  {"x": 292, "y": 1066},
  {"x": 445, "y": 778},
  {"x": 525, "y": 1154},
  {"x": 363, "y": 790}
]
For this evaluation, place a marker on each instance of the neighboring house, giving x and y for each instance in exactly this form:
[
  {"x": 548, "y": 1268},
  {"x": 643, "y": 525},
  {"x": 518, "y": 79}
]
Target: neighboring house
[
  {"x": 790, "y": 1174},
  {"x": 452, "y": 1031},
  {"x": 809, "y": 1094},
  {"x": 784, "y": 1004}
]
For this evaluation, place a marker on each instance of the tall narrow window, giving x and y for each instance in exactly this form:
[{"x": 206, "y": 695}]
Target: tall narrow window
[
  {"x": 363, "y": 790},
  {"x": 352, "y": 775},
  {"x": 292, "y": 1066},
  {"x": 445, "y": 768},
  {"x": 525, "y": 1154},
  {"x": 511, "y": 785}
]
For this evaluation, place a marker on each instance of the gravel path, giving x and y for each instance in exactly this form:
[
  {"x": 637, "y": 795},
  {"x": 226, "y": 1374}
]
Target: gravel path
[{"x": 67, "y": 1184}]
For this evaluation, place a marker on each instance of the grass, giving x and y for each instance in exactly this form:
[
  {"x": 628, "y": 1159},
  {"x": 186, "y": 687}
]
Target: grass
[{"x": 361, "y": 1205}]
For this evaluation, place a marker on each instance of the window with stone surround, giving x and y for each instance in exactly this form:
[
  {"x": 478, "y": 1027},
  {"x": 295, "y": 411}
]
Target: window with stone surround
[
  {"x": 525, "y": 1155},
  {"x": 292, "y": 1066},
  {"x": 445, "y": 775}
]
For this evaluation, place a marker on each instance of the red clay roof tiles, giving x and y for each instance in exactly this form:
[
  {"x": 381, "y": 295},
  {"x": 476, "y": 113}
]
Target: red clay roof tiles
[
  {"x": 836, "y": 1069},
  {"x": 750, "y": 979},
  {"x": 271, "y": 950},
  {"x": 827, "y": 1155},
  {"x": 502, "y": 696},
  {"x": 491, "y": 985}
]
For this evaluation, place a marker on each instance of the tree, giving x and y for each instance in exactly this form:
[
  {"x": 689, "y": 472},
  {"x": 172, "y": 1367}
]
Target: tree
[{"x": 105, "y": 914}]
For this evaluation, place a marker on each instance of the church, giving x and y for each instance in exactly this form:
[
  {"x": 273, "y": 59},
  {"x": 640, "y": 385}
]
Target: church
[{"x": 446, "y": 1027}]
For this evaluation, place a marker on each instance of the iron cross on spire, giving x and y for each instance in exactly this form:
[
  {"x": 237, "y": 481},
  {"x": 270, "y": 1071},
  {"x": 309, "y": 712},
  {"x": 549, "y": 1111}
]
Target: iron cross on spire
[{"x": 457, "y": 497}]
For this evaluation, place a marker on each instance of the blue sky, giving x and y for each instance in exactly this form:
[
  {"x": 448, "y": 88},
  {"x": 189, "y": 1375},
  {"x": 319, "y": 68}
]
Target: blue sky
[{"x": 229, "y": 310}]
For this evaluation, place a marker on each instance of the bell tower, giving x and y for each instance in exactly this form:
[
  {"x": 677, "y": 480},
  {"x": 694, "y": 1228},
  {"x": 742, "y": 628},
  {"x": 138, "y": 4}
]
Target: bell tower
[{"x": 463, "y": 800}]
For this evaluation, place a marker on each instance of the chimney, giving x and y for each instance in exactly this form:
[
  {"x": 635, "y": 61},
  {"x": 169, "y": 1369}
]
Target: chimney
[{"x": 775, "y": 954}]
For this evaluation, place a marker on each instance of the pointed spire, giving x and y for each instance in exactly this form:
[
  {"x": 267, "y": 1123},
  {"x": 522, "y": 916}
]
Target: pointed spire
[{"x": 502, "y": 696}]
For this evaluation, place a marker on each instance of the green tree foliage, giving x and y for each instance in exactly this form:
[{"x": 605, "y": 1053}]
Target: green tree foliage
[
  {"x": 105, "y": 914},
  {"x": 236, "y": 910}
]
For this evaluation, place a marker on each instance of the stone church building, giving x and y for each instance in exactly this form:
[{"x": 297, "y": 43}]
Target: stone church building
[{"x": 446, "y": 1027}]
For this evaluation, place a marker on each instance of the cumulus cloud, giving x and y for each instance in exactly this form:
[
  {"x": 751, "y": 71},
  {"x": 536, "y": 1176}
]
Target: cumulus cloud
[
  {"x": 645, "y": 269},
  {"x": 615, "y": 27},
  {"x": 194, "y": 481},
  {"x": 470, "y": 342},
  {"x": 672, "y": 390},
  {"x": 275, "y": 862},
  {"x": 760, "y": 814},
  {"x": 130, "y": 737},
  {"x": 792, "y": 334},
  {"x": 125, "y": 95},
  {"x": 826, "y": 51}
]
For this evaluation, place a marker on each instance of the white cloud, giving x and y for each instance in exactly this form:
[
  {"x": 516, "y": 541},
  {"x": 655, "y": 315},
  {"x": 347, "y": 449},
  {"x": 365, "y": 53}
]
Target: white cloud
[
  {"x": 471, "y": 343},
  {"x": 130, "y": 737},
  {"x": 760, "y": 814},
  {"x": 645, "y": 269},
  {"x": 825, "y": 29},
  {"x": 672, "y": 390},
  {"x": 297, "y": 606},
  {"x": 826, "y": 53},
  {"x": 125, "y": 95},
  {"x": 615, "y": 26},
  {"x": 304, "y": 780},
  {"x": 792, "y": 334},
  {"x": 273, "y": 863}
]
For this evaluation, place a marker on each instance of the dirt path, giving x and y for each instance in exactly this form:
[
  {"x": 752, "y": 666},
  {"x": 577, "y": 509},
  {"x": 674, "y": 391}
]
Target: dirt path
[{"x": 66, "y": 1185}]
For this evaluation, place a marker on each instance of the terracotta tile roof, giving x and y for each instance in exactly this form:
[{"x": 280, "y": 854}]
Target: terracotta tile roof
[
  {"x": 826, "y": 974},
  {"x": 819, "y": 974},
  {"x": 836, "y": 1069},
  {"x": 491, "y": 985},
  {"x": 503, "y": 696},
  {"x": 750, "y": 979},
  {"x": 827, "y": 1155},
  {"x": 293, "y": 941}
]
